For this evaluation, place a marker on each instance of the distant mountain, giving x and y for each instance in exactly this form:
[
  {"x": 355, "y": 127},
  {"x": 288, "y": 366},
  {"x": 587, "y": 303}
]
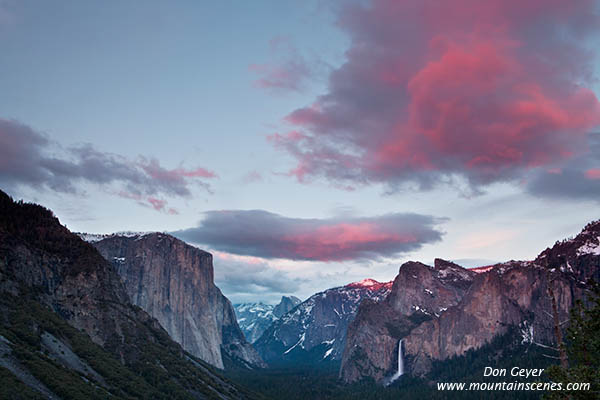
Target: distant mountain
[
  {"x": 174, "y": 283},
  {"x": 69, "y": 329},
  {"x": 443, "y": 311},
  {"x": 315, "y": 330},
  {"x": 286, "y": 305},
  {"x": 255, "y": 318}
]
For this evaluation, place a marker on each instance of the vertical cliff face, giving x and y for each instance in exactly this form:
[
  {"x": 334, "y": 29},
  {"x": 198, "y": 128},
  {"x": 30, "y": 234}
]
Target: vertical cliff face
[
  {"x": 419, "y": 295},
  {"x": 286, "y": 304},
  {"x": 173, "y": 282},
  {"x": 445, "y": 310},
  {"x": 419, "y": 287}
]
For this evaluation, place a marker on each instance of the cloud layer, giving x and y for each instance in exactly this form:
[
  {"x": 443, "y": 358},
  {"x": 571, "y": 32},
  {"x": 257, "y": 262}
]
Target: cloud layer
[
  {"x": 481, "y": 90},
  {"x": 263, "y": 234},
  {"x": 31, "y": 159},
  {"x": 577, "y": 178},
  {"x": 244, "y": 278}
]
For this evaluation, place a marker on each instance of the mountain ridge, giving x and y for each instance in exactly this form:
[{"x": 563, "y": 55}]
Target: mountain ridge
[
  {"x": 69, "y": 329},
  {"x": 442, "y": 311},
  {"x": 315, "y": 330},
  {"x": 255, "y": 318}
]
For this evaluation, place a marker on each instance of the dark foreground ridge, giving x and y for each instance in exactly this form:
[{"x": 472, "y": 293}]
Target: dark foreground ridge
[{"x": 69, "y": 330}]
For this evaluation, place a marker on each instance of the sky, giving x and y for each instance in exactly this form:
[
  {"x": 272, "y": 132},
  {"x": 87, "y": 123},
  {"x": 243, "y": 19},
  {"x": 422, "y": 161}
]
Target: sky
[{"x": 309, "y": 144}]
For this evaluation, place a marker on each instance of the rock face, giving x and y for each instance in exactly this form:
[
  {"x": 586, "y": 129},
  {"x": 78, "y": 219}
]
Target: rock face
[
  {"x": 173, "y": 282},
  {"x": 51, "y": 281},
  {"x": 315, "y": 330},
  {"x": 255, "y": 318},
  {"x": 445, "y": 310},
  {"x": 577, "y": 256},
  {"x": 72, "y": 278},
  {"x": 286, "y": 304}
]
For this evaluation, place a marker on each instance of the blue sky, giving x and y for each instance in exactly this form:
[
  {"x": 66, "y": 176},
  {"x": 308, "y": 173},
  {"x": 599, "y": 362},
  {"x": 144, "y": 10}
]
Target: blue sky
[{"x": 180, "y": 83}]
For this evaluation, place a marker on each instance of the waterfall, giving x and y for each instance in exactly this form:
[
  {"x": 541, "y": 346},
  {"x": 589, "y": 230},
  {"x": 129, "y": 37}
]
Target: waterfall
[{"x": 400, "y": 370}]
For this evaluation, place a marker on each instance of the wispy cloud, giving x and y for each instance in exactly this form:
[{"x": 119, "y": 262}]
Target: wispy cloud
[
  {"x": 252, "y": 177},
  {"x": 288, "y": 71},
  {"x": 29, "y": 158}
]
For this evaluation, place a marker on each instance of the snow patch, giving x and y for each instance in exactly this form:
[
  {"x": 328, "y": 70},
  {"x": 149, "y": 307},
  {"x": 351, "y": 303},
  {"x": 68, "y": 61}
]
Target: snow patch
[
  {"x": 526, "y": 332},
  {"x": 96, "y": 237},
  {"x": 590, "y": 248},
  {"x": 300, "y": 342},
  {"x": 481, "y": 270}
]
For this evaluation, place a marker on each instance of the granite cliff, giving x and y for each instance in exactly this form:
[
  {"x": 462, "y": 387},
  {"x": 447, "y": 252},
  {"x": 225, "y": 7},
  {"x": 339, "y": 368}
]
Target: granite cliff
[
  {"x": 285, "y": 305},
  {"x": 174, "y": 283},
  {"x": 443, "y": 311}
]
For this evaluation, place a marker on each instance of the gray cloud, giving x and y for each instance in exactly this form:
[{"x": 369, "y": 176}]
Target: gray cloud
[
  {"x": 247, "y": 280},
  {"x": 28, "y": 158},
  {"x": 579, "y": 178},
  {"x": 267, "y": 235}
]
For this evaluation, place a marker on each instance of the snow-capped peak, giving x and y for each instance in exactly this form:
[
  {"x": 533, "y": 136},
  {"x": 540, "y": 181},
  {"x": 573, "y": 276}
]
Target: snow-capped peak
[
  {"x": 481, "y": 270},
  {"x": 367, "y": 282},
  {"x": 370, "y": 284},
  {"x": 96, "y": 237}
]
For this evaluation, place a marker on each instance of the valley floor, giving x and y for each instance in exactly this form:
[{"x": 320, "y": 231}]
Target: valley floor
[{"x": 305, "y": 382}]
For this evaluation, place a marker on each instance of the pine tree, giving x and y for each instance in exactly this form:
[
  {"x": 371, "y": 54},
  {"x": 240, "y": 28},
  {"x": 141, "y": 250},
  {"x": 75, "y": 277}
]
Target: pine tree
[{"x": 583, "y": 347}]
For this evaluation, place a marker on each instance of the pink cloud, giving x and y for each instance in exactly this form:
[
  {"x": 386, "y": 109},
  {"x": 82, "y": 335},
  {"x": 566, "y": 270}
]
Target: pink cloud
[
  {"x": 174, "y": 179},
  {"x": 289, "y": 76},
  {"x": 593, "y": 173},
  {"x": 157, "y": 204},
  {"x": 234, "y": 257},
  {"x": 289, "y": 72},
  {"x": 128, "y": 195},
  {"x": 331, "y": 242},
  {"x": 486, "y": 90},
  {"x": 194, "y": 173},
  {"x": 258, "y": 233},
  {"x": 154, "y": 202}
]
